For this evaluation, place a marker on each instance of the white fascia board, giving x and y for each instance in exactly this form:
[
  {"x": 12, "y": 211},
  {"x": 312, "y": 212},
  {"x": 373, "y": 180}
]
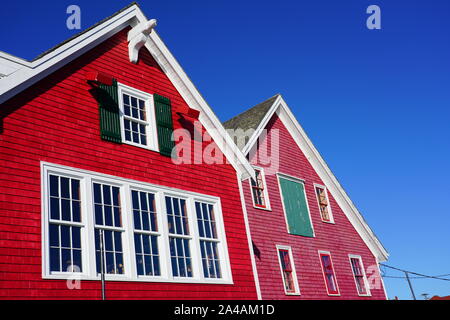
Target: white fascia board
[
  {"x": 39, "y": 69},
  {"x": 324, "y": 172},
  {"x": 194, "y": 99}
]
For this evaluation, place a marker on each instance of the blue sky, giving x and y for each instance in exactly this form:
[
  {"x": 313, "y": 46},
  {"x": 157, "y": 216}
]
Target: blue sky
[{"x": 376, "y": 103}]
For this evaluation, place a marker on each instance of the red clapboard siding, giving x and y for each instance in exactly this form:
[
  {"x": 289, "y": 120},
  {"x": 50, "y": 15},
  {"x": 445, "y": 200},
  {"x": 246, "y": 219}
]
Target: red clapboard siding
[
  {"x": 340, "y": 238},
  {"x": 57, "y": 120}
]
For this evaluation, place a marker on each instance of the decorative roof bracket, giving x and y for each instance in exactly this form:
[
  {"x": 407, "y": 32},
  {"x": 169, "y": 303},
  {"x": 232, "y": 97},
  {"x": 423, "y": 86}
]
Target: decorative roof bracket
[{"x": 137, "y": 37}]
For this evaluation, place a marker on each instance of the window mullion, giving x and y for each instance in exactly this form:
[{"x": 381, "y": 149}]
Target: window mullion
[
  {"x": 88, "y": 218},
  {"x": 128, "y": 248},
  {"x": 163, "y": 239}
]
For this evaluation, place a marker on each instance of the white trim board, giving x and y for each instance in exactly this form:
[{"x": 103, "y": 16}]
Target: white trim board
[
  {"x": 31, "y": 72},
  {"x": 319, "y": 165}
]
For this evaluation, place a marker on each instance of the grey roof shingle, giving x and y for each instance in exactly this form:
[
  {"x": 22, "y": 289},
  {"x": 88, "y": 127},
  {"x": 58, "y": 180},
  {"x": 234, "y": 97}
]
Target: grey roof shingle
[
  {"x": 251, "y": 118},
  {"x": 241, "y": 127}
]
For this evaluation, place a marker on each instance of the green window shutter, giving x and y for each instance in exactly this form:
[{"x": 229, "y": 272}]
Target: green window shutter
[
  {"x": 163, "y": 113},
  {"x": 108, "y": 101},
  {"x": 295, "y": 207}
]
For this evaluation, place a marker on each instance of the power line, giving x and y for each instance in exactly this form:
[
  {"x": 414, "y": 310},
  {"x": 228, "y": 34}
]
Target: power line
[
  {"x": 421, "y": 277},
  {"x": 408, "y": 278},
  {"x": 415, "y": 273}
]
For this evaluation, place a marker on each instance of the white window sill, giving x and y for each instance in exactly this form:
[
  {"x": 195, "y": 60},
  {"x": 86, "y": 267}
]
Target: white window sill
[
  {"x": 140, "y": 146},
  {"x": 262, "y": 208},
  {"x": 125, "y": 278}
]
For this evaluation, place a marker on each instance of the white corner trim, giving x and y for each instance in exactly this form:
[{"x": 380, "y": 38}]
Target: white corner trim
[
  {"x": 249, "y": 239},
  {"x": 315, "y": 159}
]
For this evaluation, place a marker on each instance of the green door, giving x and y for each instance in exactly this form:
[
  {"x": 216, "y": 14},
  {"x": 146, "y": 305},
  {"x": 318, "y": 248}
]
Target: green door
[{"x": 295, "y": 207}]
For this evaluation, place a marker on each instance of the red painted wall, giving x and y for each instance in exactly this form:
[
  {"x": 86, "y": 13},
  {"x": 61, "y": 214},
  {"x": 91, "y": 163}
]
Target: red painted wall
[
  {"x": 57, "y": 120},
  {"x": 340, "y": 238}
]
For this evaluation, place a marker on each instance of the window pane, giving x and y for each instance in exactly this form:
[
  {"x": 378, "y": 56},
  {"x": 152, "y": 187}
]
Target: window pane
[
  {"x": 54, "y": 186},
  {"x": 206, "y": 220},
  {"x": 54, "y": 259},
  {"x": 180, "y": 257},
  {"x": 143, "y": 211},
  {"x": 65, "y": 187},
  {"x": 54, "y": 208},
  {"x": 210, "y": 259},
  {"x": 177, "y": 216},
  {"x": 112, "y": 251}
]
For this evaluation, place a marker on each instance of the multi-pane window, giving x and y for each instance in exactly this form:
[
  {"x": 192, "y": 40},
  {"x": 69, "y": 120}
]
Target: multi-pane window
[
  {"x": 259, "y": 192},
  {"x": 135, "y": 119},
  {"x": 64, "y": 224},
  {"x": 359, "y": 275},
  {"x": 108, "y": 228},
  {"x": 287, "y": 270},
  {"x": 145, "y": 233},
  {"x": 328, "y": 272},
  {"x": 96, "y": 223},
  {"x": 324, "y": 206},
  {"x": 179, "y": 237},
  {"x": 208, "y": 239}
]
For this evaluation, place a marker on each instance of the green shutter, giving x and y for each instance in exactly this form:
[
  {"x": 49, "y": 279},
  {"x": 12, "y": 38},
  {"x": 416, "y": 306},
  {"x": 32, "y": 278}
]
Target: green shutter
[
  {"x": 163, "y": 112},
  {"x": 295, "y": 207},
  {"x": 108, "y": 101}
]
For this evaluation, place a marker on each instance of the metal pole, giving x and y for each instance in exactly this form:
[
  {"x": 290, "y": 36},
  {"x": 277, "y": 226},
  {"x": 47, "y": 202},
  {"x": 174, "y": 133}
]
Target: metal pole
[
  {"x": 410, "y": 285},
  {"x": 102, "y": 265}
]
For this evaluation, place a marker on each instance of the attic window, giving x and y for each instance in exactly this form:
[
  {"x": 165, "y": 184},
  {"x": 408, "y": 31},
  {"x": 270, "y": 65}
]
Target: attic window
[
  {"x": 137, "y": 118},
  {"x": 324, "y": 204},
  {"x": 259, "y": 190}
]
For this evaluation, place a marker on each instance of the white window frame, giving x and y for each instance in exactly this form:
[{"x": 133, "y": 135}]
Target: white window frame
[
  {"x": 89, "y": 271},
  {"x": 366, "y": 282},
  {"x": 298, "y": 180},
  {"x": 328, "y": 200},
  {"x": 266, "y": 192},
  {"x": 150, "y": 124},
  {"x": 320, "y": 252},
  {"x": 294, "y": 272}
]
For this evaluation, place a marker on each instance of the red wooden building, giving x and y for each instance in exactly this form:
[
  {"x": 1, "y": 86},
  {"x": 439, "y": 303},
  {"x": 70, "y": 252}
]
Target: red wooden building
[
  {"x": 309, "y": 240},
  {"x": 85, "y": 164},
  {"x": 92, "y": 182}
]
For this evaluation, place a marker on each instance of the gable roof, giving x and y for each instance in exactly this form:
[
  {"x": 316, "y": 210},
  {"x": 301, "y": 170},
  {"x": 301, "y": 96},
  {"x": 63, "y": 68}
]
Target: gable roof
[
  {"x": 17, "y": 74},
  {"x": 251, "y": 118},
  {"x": 279, "y": 106}
]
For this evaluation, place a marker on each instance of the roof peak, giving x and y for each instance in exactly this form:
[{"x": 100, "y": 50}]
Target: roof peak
[{"x": 252, "y": 117}]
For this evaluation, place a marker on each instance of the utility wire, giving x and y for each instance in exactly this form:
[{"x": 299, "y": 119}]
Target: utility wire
[{"x": 420, "y": 275}]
